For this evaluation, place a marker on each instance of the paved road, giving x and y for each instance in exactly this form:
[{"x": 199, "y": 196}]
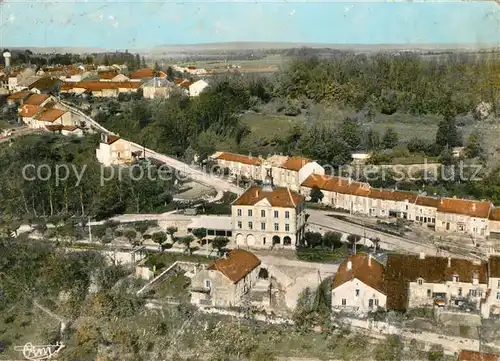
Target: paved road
[{"x": 320, "y": 221}]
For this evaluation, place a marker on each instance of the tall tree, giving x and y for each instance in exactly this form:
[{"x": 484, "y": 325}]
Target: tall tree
[
  {"x": 448, "y": 134},
  {"x": 390, "y": 139}
]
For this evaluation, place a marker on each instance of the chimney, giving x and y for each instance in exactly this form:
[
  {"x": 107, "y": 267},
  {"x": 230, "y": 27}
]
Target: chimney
[
  {"x": 473, "y": 207},
  {"x": 449, "y": 261},
  {"x": 422, "y": 255},
  {"x": 349, "y": 265},
  {"x": 369, "y": 260}
]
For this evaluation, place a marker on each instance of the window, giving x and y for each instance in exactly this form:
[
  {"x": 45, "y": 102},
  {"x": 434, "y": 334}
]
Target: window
[
  {"x": 406, "y": 207},
  {"x": 376, "y": 301},
  {"x": 287, "y": 227},
  {"x": 287, "y": 214},
  {"x": 433, "y": 220},
  {"x": 473, "y": 293},
  {"x": 263, "y": 226},
  {"x": 460, "y": 291},
  {"x": 420, "y": 281},
  {"x": 208, "y": 284},
  {"x": 498, "y": 295},
  {"x": 429, "y": 293},
  {"x": 276, "y": 214},
  {"x": 498, "y": 284},
  {"x": 240, "y": 226},
  {"x": 461, "y": 227},
  {"x": 276, "y": 227},
  {"x": 250, "y": 225},
  {"x": 118, "y": 155},
  {"x": 262, "y": 213},
  {"x": 479, "y": 293},
  {"x": 344, "y": 302},
  {"x": 239, "y": 212},
  {"x": 249, "y": 212},
  {"x": 357, "y": 293}
]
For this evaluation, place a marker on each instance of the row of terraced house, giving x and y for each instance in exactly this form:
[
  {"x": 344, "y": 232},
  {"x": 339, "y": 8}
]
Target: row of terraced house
[{"x": 474, "y": 218}]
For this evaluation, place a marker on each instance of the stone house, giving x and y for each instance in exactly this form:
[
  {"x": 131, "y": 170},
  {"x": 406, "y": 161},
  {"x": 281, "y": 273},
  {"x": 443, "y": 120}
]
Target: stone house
[
  {"x": 359, "y": 285},
  {"x": 426, "y": 281},
  {"x": 51, "y": 116},
  {"x": 114, "y": 150},
  {"x": 463, "y": 216},
  {"x": 268, "y": 217},
  {"x": 239, "y": 165},
  {"x": 294, "y": 171},
  {"x": 197, "y": 87},
  {"x": 226, "y": 281}
]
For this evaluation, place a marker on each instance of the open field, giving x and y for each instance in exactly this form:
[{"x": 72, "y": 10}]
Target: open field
[
  {"x": 270, "y": 63},
  {"x": 266, "y": 131}
]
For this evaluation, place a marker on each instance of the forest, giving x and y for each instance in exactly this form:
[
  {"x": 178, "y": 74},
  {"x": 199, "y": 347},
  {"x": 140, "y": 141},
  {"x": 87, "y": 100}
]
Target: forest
[{"x": 31, "y": 196}]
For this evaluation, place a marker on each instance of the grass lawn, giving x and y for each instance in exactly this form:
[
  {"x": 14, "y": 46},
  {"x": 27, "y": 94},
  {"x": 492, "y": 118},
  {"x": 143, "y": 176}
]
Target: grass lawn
[
  {"x": 266, "y": 131},
  {"x": 175, "y": 287}
]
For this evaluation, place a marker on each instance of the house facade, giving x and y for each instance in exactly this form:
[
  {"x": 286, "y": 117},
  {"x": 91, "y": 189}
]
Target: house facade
[
  {"x": 294, "y": 171},
  {"x": 239, "y": 165},
  {"x": 197, "y": 87},
  {"x": 401, "y": 281},
  {"x": 113, "y": 151},
  {"x": 224, "y": 283},
  {"x": 359, "y": 285},
  {"x": 445, "y": 215},
  {"x": 268, "y": 217}
]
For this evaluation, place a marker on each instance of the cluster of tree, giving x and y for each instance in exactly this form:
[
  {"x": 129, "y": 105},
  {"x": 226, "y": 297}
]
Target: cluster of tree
[
  {"x": 406, "y": 83},
  {"x": 25, "y": 57},
  {"x": 180, "y": 125},
  {"x": 32, "y": 188}
]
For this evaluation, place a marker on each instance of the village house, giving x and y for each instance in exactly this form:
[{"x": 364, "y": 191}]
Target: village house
[
  {"x": 467, "y": 355},
  {"x": 66, "y": 130},
  {"x": 268, "y": 217},
  {"x": 463, "y": 216},
  {"x": 51, "y": 116},
  {"x": 114, "y": 150},
  {"x": 494, "y": 223},
  {"x": 238, "y": 165},
  {"x": 146, "y": 74},
  {"x": 443, "y": 214},
  {"x": 427, "y": 281},
  {"x": 101, "y": 89},
  {"x": 224, "y": 283},
  {"x": 108, "y": 75},
  {"x": 45, "y": 85},
  {"x": 359, "y": 285},
  {"x": 27, "y": 112},
  {"x": 157, "y": 88},
  {"x": 18, "y": 98},
  {"x": 294, "y": 171},
  {"x": 197, "y": 87},
  {"x": 403, "y": 281},
  {"x": 38, "y": 100}
]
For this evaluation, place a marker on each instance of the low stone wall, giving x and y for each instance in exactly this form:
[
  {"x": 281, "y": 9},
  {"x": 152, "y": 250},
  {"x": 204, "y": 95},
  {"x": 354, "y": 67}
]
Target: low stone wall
[{"x": 258, "y": 317}]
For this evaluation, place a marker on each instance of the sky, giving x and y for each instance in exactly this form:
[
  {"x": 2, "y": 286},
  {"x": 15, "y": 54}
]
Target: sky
[{"x": 142, "y": 24}]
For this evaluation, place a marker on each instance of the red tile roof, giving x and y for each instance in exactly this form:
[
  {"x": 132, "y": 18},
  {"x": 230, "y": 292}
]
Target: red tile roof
[
  {"x": 237, "y": 265},
  {"x": 19, "y": 95},
  {"x": 402, "y": 269},
  {"x": 54, "y": 127},
  {"x": 467, "y": 355},
  {"x": 108, "y": 75},
  {"x": 461, "y": 206},
  {"x": 295, "y": 163},
  {"x": 112, "y": 138},
  {"x": 37, "y": 99},
  {"x": 50, "y": 115},
  {"x": 146, "y": 73},
  {"x": 370, "y": 272},
  {"x": 279, "y": 197},
  {"x": 239, "y": 158},
  {"x": 28, "y": 111}
]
